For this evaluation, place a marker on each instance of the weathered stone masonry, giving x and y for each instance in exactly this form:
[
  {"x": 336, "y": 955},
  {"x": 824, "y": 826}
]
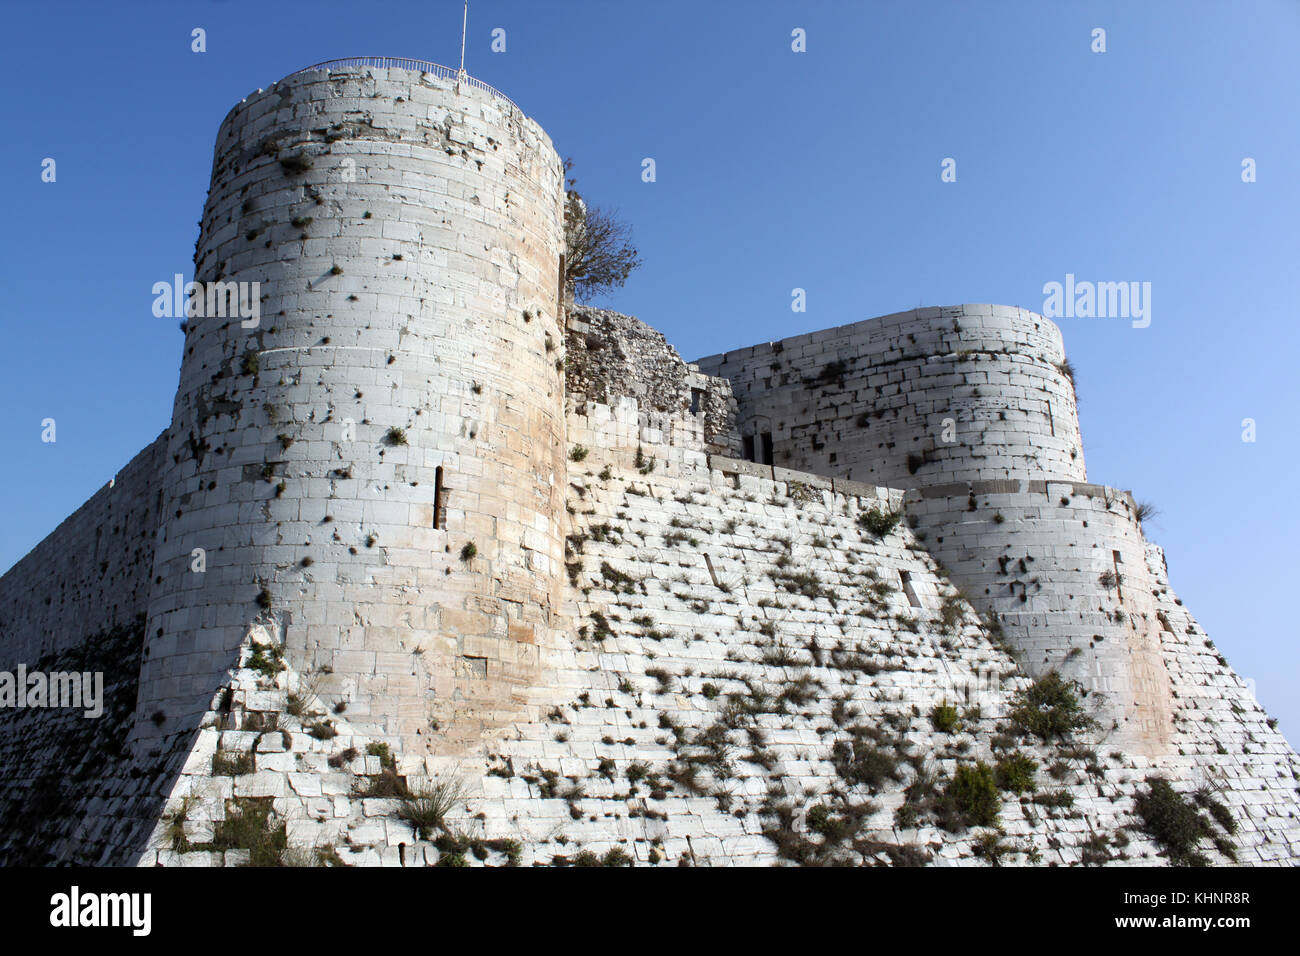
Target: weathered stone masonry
[
  {"x": 406, "y": 237},
  {"x": 450, "y": 531},
  {"x": 973, "y": 406}
]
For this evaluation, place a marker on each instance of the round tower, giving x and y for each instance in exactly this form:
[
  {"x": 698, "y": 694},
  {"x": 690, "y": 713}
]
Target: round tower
[
  {"x": 934, "y": 395},
  {"x": 371, "y": 469}
]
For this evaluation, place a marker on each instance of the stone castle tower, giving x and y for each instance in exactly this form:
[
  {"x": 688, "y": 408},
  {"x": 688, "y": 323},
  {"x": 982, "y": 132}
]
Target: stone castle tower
[
  {"x": 423, "y": 521},
  {"x": 973, "y": 408},
  {"x": 400, "y": 395}
]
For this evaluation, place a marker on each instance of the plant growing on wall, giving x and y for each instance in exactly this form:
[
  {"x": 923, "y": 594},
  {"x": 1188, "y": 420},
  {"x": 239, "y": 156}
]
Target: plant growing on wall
[
  {"x": 599, "y": 254},
  {"x": 878, "y": 521},
  {"x": 1050, "y": 708},
  {"x": 1144, "y": 510}
]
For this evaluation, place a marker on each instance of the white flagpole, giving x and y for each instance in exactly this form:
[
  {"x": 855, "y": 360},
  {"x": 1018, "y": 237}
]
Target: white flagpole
[{"x": 464, "y": 25}]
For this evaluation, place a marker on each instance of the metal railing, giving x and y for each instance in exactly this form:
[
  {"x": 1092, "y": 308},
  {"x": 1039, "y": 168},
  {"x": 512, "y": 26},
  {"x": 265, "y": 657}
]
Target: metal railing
[{"x": 403, "y": 63}]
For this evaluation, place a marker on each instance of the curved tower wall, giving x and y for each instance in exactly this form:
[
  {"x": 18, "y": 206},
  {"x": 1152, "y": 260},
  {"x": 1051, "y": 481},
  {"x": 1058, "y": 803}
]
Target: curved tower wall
[
  {"x": 406, "y": 237},
  {"x": 965, "y": 393},
  {"x": 973, "y": 407},
  {"x": 1062, "y": 568}
]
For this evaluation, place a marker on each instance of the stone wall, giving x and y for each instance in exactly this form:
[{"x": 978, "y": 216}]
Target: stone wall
[
  {"x": 751, "y": 678},
  {"x": 89, "y": 575},
  {"x": 1222, "y": 738},
  {"x": 611, "y": 356},
  {"x": 968, "y": 402},
  {"x": 375, "y": 470},
  {"x": 931, "y": 396}
]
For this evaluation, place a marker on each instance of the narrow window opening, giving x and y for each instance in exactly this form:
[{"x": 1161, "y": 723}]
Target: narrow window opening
[
  {"x": 767, "y": 448},
  {"x": 1051, "y": 419},
  {"x": 559, "y": 305},
  {"x": 697, "y": 396},
  {"x": 1116, "y": 561},
  {"x": 439, "y": 501},
  {"x": 749, "y": 448}
]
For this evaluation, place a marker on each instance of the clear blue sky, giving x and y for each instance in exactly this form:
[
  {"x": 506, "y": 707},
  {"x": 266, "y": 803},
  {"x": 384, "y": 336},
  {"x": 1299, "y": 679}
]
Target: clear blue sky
[{"x": 775, "y": 170}]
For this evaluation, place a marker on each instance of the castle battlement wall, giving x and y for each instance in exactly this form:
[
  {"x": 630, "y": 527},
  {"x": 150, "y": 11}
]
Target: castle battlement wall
[
  {"x": 610, "y": 357},
  {"x": 974, "y": 407}
]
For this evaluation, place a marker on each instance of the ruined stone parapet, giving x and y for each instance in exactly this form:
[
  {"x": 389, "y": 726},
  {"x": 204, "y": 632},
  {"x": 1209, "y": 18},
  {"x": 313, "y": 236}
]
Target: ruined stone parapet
[
  {"x": 610, "y": 357},
  {"x": 374, "y": 472}
]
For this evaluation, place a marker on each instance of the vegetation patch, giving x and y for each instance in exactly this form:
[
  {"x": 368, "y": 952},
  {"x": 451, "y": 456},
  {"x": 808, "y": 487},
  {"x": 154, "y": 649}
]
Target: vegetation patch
[
  {"x": 971, "y": 798},
  {"x": 879, "y": 522},
  {"x": 426, "y": 809},
  {"x": 1015, "y": 773},
  {"x": 1177, "y": 826},
  {"x": 1050, "y": 709},
  {"x": 943, "y": 717}
]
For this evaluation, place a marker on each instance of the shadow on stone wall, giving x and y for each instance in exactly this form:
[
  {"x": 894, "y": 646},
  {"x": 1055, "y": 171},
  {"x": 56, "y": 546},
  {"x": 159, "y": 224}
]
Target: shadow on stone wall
[{"x": 70, "y": 791}]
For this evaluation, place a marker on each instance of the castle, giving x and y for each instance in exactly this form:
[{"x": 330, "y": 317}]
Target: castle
[{"x": 435, "y": 567}]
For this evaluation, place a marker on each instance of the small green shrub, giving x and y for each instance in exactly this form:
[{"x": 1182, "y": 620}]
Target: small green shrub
[
  {"x": 226, "y": 763},
  {"x": 1015, "y": 773},
  {"x": 249, "y": 826},
  {"x": 617, "y": 856},
  {"x": 971, "y": 797},
  {"x": 322, "y": 730},
  {"x": 1205, "y": 799},
  {"x": 395, "y": 436},
  {"x": 943, "y": 717},
  {"x": 426, "y": 809},
  {"x": 878, "y": 522},
  {"x": 468, "y": 552},
  {"x": 385, "y": 784},
  {"x": 578, "y": 453},
  {"x": 1172, "y": 821},
  {"x": 267, "y": 659},
  {"x": 1056, "y": 799},
  {"x": 865, "y": 763},
  {"x": 1050, "y": 708},
  {"x": 386, "y": 758}
]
